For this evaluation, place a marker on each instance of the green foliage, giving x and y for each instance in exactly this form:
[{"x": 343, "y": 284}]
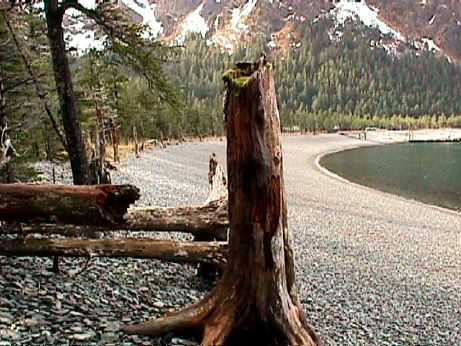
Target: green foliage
[
  {"x": 325, "y": 85},
  {"x": 28, "y": 125},
  {"x": 170, "y": 92}
]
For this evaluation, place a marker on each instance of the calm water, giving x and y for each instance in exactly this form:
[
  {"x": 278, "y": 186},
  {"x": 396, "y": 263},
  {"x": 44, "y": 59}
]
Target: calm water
[{"x": 428, "y": 172}]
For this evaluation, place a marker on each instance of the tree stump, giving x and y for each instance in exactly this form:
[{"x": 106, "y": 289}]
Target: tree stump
[
  {"x": 217, "y": 195},
  {"x": 255, "y": 302}
]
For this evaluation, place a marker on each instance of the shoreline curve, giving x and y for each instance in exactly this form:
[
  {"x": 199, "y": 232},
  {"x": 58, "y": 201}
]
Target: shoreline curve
[{"x": 340, "y": 178}]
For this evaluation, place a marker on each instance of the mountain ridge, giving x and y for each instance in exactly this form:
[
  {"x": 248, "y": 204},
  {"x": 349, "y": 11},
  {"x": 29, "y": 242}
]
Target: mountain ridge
[{"x": 432, "y": 23}]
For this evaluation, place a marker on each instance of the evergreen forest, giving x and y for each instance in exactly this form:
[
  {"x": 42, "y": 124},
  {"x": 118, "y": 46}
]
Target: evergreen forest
[{"x": 323, "y": 84}]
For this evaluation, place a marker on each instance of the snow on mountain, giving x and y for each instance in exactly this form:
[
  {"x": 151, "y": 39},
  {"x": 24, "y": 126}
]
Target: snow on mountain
[
  {"x": 239, "y": 15},
  {"x": 226, "y": 23},
  {"x": 78, "y": 37},
  {"x": 89, "y": 4},
  {"x": 346, "y": 9},
  {"x": 193, "y": 23},
  {"x": 427, "y": 43},
  {"x": 231, "y": 32},
  {"x": 147, "y": 12}
]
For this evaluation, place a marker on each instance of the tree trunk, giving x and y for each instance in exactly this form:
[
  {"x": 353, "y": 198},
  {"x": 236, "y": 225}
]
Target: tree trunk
[
  {"x": 255, "y": 303},
  {"x": 4, "y": 139},
  {"x": 102, "y": 205},
  {"x": 74, "y": 140},
  {"x": 7, "y": 151},
  {"x": 135, "y": 139},
  {"x": 173, "y": 251},
  {"x": 114, "y": 140}
]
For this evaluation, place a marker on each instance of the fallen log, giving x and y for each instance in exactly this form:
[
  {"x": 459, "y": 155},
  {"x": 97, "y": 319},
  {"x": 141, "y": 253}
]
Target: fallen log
[
  {"x": 209, "y": 218},
  {"x": 173, "y": 251},
  {"x": 50, "y": 229},
  {"x": 144, "y": 220},
  {"x": 102, "y": 208},
  {"x": 101, "y": 205}
]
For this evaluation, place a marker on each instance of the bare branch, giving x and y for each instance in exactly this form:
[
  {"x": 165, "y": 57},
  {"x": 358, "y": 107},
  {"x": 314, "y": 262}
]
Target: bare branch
[
  {"x": 34, "y": 79},
  {"x": 22, "y": 82}
]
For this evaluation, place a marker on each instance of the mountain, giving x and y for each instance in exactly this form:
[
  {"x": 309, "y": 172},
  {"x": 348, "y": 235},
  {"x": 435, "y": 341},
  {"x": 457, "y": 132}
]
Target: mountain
[
  {"x": 422, "y": 24},
  {"x": 341, "y": 64}
]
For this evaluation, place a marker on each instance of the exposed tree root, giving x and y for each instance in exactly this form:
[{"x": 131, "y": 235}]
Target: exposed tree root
[
  {"x": 226, "y": 317},
  {"x": 255, "y": 302},
  {"x": 187, "y": 321}
]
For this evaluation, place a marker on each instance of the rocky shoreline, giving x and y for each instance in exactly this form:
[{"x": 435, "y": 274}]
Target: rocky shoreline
[{"x": 373, "y": 269}]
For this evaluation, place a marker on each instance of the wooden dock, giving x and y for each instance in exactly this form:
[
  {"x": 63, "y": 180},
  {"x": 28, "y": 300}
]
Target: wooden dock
[{"x": 440, "y": 140}]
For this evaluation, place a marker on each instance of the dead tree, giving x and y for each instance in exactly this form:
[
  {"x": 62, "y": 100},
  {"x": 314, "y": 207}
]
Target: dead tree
[
  {"x": 255, "y": 302},
  {"x": 7, "y": 151},
  {"x": 207, "y": 219},
  {"x": 6, "y": 147},
  {"x": 99, "y": 208},
  {"x": 210, "y": 220},
  {"x": 217, "y": 195},
  {"x": 173, "y": 251},
  {"x": 102, "y": 205}
]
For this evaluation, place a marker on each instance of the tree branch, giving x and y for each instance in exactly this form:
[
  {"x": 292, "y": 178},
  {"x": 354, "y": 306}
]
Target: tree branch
[
  {"x": 33, "y": 77},
  {"x": 22, "y": 82}
]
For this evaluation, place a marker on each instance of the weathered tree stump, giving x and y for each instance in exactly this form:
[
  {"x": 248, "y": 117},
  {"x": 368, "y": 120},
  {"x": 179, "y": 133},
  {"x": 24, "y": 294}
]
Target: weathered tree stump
[
  {"x": 255, "y": 303},
  {"x": 217, "y": 195}
]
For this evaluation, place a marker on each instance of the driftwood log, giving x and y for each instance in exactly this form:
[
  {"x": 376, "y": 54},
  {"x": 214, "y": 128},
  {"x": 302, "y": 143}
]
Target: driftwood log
[
  {"x": 102, "y": 205},
  {"x": 82, "y": 210},
  {"x": 22, "y": 230},
  {"x": 210, "y": 218},
  {"x": 210, "y": 221},
  {"x": 174, "y": 251},
  {"x": 255, "y": 302}
]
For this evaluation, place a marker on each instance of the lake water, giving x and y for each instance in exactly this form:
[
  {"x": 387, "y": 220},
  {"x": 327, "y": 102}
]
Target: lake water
[{"x": 428, "y": 172}]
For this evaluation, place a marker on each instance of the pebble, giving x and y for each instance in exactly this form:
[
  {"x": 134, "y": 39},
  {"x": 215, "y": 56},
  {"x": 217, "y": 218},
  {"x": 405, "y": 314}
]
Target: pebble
[
  {"x": 372, "y": 269},
  {"x": 82, "y": 337},
  {"x": 158, "y": 305}
]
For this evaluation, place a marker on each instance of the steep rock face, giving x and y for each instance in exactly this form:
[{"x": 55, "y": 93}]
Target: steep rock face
[
  {"x": 434, "y": 24},
  {"x": 439, "y": 20}
]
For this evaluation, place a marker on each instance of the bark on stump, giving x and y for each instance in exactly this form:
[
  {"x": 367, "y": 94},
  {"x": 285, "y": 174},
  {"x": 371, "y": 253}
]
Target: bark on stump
[{"x": 255, "y": 303}]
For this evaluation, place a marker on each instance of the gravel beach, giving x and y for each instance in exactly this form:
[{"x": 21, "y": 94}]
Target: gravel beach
[{"x": 372, "y": 268}]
